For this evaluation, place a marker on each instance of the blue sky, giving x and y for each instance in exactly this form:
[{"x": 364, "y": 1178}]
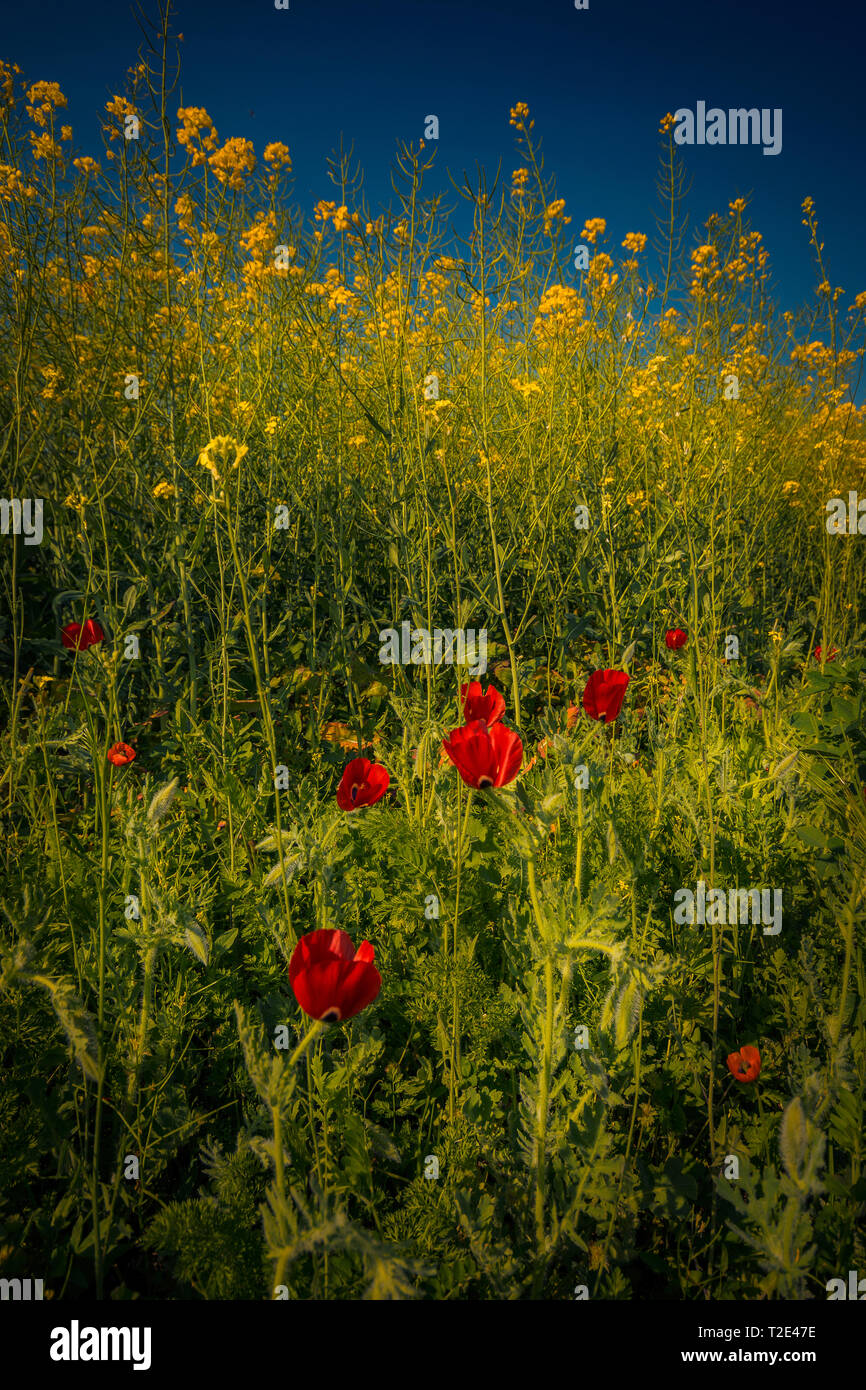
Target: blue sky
[{"x": 597, "y": 82}]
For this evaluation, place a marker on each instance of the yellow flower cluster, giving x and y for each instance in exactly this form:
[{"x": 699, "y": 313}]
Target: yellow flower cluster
[
  {"x": 705, "y": 269},
  {"x": 634, "y": 242},
  {"x": 43, "y": 146},
  {"x": 44, "y": 99},
  {"x": 278, "y": 155},
  {"x": 343, "y": 220},
  {"x": 7, "y": 82},
  {"x": 221, "y": 455},
  {"x": 10, "y": 183},
  {"x": 197, "y": 134},
  {"x": 85, "y": 165},
  {"x": 599, "y": 280},
  {"x": 644, "y": 380},
  {"x": 259, "y": 239},
  {"x": 560, "y": 309},
  {"x": 234, "y": 161},
  {"x": 519, "y": 180},
  {"x": 164, "y": 489},
  {"x": 183, "y": 210},
  {"x": 526, "y": 388},
  {"x": 337, "y": 294},
  {"x": 491, "y": 459},
  {"x": 519, "y": 115},
  {"x": 595, "y": 227},
  {"x": 552, "y": 211},
  {"x": 53, "y": 377}
]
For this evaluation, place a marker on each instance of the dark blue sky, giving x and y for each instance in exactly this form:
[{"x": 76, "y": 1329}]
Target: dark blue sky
[{"x": 597, "y": 82}]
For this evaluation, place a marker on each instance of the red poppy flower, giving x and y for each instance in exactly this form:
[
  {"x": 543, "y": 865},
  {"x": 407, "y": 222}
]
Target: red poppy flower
[
  {"x": 78, "y": 638},
  {"x": 332, "y": 980},
  {"x": 675, "y": 638},
  {"x": 361, "y": 784},
  {"x": 484, "y": 757},
  {"x": 745, "y": 1064},
  {"x": 490, "y": 706},
  {"x": 604, "y": 694},
  {"x": 120, "y": 754},
  {"x": 834, "y": 652}
]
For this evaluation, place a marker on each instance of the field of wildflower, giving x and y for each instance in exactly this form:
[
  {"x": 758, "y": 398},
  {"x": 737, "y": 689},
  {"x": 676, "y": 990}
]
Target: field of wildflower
[{"x": 334, "y": 968}]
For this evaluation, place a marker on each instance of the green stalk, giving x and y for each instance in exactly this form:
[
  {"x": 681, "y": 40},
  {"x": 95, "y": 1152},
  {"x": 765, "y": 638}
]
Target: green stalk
[
  {"x": 455, "y": 1001},
  {"x": 546, "y": 1066},
  {"x": 276, "y": 1118}
]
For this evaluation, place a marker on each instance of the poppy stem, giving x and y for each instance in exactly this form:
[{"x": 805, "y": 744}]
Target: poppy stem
[
  {"x": 302, "y": 1046},
  {"x": 546, "y": 1064},
  {"x": 279, "y": 1169},
  {"x": 578, "y": 860},
  {"x": 455, "y": 1000}
]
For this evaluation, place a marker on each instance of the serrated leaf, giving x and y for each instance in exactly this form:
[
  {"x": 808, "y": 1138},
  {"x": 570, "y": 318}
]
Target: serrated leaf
[{"x": 197, "y": 942}]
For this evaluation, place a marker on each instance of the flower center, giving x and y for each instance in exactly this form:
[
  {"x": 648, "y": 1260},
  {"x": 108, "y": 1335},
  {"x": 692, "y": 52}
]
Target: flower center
[
  {"x": 332, "y": 1016},
  {"x": 484, "y": 783}
]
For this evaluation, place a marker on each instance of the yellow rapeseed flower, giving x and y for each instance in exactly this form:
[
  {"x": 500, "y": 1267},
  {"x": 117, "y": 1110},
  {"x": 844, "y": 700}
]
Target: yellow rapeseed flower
[
  {"x": 518, "y": 116},
  {"x": 233, "y": 162},
  {"x": 221, "y": 454},
  {"x": 595, "y": 227},
  {"x": 278, "y": 155},
  {"x": 44, "y": 98}
]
